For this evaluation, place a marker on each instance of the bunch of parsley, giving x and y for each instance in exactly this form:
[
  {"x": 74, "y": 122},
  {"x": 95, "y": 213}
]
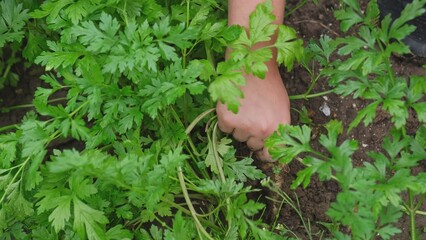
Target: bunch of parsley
[{"x": 134, "y": 76}]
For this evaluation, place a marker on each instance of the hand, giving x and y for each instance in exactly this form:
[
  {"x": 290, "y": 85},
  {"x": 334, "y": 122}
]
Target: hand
[{"x": 265, "y": 105}]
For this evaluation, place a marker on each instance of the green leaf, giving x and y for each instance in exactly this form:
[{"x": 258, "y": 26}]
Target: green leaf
[
  {"x": 260, "y": 23},
  {"x": 13, "y": 19},
  {"x": 241, "y": 169},
  {"x": 168, "y": 86},
  {"x": 334, "y": 128},
  {"x": 222, "y": 148},
  {"x": 8, "y": 150},
  {"x": 82, "y": 187},
  {"x": 368, "y": 114},
  {"x": 58, "y": 58},
  {"x": 288, "y": 142},
  {"x": 182, "y": 229},
  {"x": 399, "y": 29},
  {"x": 349, "y": 16},
  {"x": 118, "y": 232},
  {"x": 61, "y": 213},
  {"x": 304, "y": 176},
  {"x": 225, "y": 88},
  {"x": 420, "y": 109},
  {"x": 98, "y": 39},
  {"x": 388, "y": 231},
  {"x": 290, "y": 49},
  {"x": 88, "y": 221}
]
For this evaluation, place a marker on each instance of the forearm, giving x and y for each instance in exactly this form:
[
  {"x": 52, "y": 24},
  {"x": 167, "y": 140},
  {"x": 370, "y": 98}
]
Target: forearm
[{"x": 239, "y": 11}]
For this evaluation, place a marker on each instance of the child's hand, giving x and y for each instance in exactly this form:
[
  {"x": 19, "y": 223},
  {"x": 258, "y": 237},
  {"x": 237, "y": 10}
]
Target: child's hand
[{"x": 264, "y": 107}]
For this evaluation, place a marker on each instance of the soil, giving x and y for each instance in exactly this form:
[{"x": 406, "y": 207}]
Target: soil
[{"x": 311, "y": 21}]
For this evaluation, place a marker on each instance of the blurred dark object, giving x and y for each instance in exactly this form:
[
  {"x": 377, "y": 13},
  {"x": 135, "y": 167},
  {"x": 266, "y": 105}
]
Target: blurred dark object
[{"x": 417, "y": 39}]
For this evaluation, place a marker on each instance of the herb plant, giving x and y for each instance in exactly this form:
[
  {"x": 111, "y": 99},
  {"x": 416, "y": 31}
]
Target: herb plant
[
  {"x": 12, "y": 21},
  {"x": 374, "y": 196},
  {"x": 126, "y": 82}
]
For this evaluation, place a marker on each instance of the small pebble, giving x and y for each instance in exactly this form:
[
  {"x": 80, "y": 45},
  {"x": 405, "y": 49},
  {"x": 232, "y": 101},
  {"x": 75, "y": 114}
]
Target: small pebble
[{"x": 325, "y": 109}]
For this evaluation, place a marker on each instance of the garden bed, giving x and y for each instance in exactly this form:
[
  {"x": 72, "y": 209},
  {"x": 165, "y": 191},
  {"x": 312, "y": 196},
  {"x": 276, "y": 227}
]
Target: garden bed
[{"x": 312, "y": 21}]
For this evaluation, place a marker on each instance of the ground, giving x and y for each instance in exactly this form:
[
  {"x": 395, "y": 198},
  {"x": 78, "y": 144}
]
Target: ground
[{"x": 311, "y": 21}]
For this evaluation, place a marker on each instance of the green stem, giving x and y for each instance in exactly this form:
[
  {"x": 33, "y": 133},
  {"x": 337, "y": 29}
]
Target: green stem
[
  {"x": 78, "y": 109},
  {"x": 9, "y": 66},
  {"x": 30, "y": 105},
  {"x": 8, "y": 127},
  {"x": 412, "y": 214},
  {"x": 219, "y": 161},
  {"x": 194, "y": 214},
  {"x": 191, "y": 127},
  {"x": 421, "y": 212},
  {"x": 7, "y": 189},
  {"x": 219, "y": 164},
  {"x": 184, "y": 51},
  {"x": 295, "y": 8},
  {"x": 312, "y": 84},
  {"x": 198, "y": 119},
  {"x": 420, "y": 202},
  {"x": 209, "y": 53},
  {"x": 387, "y": 63},
  {"x": 6, "y": 72},
  {"x": 307, "y": 96}
]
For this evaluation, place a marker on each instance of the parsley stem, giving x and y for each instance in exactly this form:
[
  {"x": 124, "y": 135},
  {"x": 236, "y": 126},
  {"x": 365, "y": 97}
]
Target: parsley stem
[
  {"x": 219, "y": 161},
  {"x": 197, "y": 120},
  {"x": 8, "y": 127},
  {"x": 200, "y": 227},
  {"x": 307, "y": 96},
  {"x": 79, "y": 108},
  {"x": 412, "y": 213},
  {"x": 386, "y": 60},
  {"x": 299, "y": 5},
  {"x": 30, "y": 105},
  {"x": 420, "y": 202},
  {"x": 312, "y": 84},
  {"x": 209, "y": 53},
  {"x": 421, "y": 212},
  {"x": 191, "y": 127},
  {"x": 184, "y": 51},
  {"x": 9, "y": 66},
  {"x": 12, "y": 181}
]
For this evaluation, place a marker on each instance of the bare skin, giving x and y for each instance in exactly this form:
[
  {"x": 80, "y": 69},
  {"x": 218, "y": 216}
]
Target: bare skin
[{"x": 265, "y": 104}]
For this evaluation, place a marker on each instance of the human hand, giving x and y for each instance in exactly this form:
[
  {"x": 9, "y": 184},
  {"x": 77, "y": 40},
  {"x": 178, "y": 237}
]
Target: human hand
[{"x": 265, "y": 105}]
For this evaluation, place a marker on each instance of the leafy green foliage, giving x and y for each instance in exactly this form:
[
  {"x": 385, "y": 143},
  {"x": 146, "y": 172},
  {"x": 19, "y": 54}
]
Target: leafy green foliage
[
  {"x": 134, "y": 76},
  {"x": 12, "y": 21},
  {"x": 371, "y": 198},
  {"x": 13, "y": 17},
  {"x": 371, "y": 195},
  {"x": 368, "y": 71}
]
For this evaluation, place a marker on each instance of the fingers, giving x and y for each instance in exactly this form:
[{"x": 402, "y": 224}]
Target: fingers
[
  {"x": 255, "y": 144},
  {"x": 224, "y": 127},
  {"x": 264, "y": 155}
]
